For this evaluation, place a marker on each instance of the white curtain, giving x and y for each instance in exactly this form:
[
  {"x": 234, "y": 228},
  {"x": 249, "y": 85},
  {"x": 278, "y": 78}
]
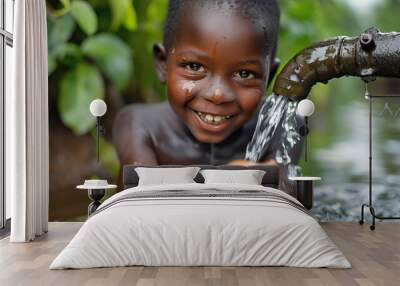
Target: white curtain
[{"x": 27, "y": 142}]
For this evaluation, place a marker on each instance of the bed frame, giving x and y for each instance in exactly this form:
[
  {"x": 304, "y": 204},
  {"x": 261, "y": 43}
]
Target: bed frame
[{"x": 271, "y": 177}]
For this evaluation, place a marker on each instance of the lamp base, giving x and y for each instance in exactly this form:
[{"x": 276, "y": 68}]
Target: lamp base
[{"x": 95, "y": 195}]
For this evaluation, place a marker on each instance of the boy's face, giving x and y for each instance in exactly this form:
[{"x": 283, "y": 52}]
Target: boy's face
[{"x": 216, "y": 71}]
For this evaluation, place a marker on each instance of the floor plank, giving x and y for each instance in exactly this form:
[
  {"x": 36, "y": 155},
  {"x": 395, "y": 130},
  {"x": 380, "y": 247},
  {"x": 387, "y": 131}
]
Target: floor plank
[{"x": 374, "y": 255}]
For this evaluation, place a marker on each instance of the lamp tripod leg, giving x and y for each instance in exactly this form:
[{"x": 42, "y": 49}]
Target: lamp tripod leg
[
  {"x": 372, "y": 211},
  {"x": 361, "y": 221}
]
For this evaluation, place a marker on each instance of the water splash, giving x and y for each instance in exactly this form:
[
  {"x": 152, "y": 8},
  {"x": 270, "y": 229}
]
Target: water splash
[
  {"x": 276, "y": 113},
  {"x": 269, "y": 117}
]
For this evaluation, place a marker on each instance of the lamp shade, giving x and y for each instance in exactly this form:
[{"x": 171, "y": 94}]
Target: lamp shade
[
  {"x": 305, "y": 108},
  {"x": 98, "y": 107}
]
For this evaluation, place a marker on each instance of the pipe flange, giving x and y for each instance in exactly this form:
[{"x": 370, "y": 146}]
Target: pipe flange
[{"x": 367, "y": 42}]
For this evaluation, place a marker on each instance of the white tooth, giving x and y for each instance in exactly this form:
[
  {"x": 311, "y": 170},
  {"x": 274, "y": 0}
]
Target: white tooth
[
  {"x": 209, "y": 117},
  {"x": 218, "y": 118}
]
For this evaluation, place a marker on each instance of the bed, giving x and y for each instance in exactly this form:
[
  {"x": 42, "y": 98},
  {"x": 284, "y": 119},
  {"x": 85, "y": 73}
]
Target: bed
[{"x": 199, "y": 224}]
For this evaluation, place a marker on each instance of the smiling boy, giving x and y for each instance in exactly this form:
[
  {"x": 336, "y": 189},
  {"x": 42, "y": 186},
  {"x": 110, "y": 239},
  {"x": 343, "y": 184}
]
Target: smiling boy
[{"x": 216, "y": 61}]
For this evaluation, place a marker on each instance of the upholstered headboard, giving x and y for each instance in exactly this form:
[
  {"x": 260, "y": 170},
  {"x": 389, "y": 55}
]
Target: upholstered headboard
[{"x": 271, "y": 177}]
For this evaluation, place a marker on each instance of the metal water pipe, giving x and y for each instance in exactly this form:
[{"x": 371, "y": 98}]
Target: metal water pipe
[{"x": 372, "y": 54}]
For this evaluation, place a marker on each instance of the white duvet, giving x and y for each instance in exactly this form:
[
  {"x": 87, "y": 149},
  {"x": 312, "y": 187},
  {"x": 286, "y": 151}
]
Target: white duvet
[{"x": 203, "y": 231}]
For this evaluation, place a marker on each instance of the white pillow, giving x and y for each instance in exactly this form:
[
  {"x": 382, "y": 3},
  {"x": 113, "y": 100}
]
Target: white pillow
[
  {"x": 163, "y": 176},
  {"x": 248, "y": 177}
]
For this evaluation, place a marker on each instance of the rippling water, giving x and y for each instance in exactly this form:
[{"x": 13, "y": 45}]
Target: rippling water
[{"x": 344, "y": 165}]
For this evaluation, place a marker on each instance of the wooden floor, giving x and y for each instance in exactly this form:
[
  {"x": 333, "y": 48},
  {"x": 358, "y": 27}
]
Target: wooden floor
[{"x": 375, "y": 257}]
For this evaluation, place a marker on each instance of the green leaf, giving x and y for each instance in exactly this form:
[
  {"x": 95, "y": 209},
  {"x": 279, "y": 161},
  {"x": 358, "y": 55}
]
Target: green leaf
[
  {"x": 63, "y": 11},
  {"x": 301, "y": 10},
  {"x": 68, "y": 52},
  {"x": 60, "y": 29},
  {"x": 155, "y": 17},
  {"x": 130, "y": 21},
  {"x": 156, "y": 11},
  {"x": 85, "y": 16},
  {"x": 78, "y": 88},
  {"x": 66, "y": 3},
  {"x": 112, "y": 55},
  {"x": 109, "y": 157},
  {"x": 123, "y": 12},
  {"x": 51, "y": 64}
]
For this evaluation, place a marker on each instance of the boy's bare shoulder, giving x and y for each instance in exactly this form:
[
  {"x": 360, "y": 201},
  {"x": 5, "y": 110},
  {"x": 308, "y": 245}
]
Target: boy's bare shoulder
[
  {"x": 143, "y": 111},
  {"x": 146, "y": 120},
  {"x": 142, "y": 114}
]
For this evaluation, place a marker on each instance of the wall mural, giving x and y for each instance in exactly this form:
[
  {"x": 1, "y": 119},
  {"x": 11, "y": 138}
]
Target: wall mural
[{"x": 163, "y": 108}]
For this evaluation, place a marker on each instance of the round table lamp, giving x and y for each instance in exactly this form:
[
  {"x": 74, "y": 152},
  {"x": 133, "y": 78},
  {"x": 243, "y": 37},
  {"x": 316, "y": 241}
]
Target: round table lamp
[
  {"x": 305, "y": 108},
  {"x": 98, "y": 108}
]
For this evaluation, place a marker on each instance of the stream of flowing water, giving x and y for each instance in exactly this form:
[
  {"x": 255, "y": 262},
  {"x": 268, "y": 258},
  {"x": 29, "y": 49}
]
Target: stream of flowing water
[{"x": 277, "y": 117}]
